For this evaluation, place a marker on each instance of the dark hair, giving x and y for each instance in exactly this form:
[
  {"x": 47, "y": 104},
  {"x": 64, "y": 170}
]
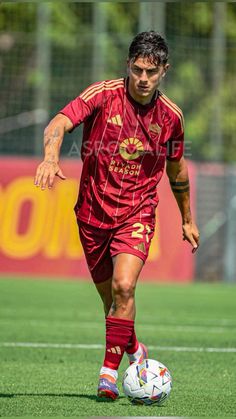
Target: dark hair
[{"x": 150, "y": 45}]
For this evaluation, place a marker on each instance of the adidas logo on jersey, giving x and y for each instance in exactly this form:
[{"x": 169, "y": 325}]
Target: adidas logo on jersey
[
  {"x": 116, "y": 120},
  {"x": 115, "y": 350},
  {"x": 155, "y": 128}
]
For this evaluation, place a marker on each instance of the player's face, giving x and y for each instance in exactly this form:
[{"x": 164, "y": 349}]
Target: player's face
[{"x": 144, "y": 78}]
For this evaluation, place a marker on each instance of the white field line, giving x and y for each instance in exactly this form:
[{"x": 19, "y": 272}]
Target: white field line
[
  {"x": 99, "y": 346},
  {"x": 97, "y": 326},
  {"x": 206, "y": 321}
]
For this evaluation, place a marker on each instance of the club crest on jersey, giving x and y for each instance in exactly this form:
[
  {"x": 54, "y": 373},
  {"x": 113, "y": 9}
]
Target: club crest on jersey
[{"x": 131, "y": 148}]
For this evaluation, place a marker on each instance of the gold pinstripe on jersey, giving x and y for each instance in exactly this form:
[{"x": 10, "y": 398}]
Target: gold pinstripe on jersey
[
  {"x": 174, "y": 108},
  {"x": 98, "y": 88},
  {"x": 102, "y": 89}
]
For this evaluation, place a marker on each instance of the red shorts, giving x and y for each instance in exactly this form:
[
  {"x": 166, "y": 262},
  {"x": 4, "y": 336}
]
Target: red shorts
[{"x": 100, "y": 245}]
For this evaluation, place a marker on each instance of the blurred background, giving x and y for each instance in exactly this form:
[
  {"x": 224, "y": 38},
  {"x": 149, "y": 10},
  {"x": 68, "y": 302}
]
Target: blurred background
[{"x": 49, "y": 53}]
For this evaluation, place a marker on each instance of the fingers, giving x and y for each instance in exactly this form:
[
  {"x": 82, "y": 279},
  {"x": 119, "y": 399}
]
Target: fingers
[
  {"x": 47, "y": 179},
  {"x": 51, "y": 180},
  {"x": 38, "y": 176},
  {"x": 45, "y": 175},
  {"x": 192, "y": 237},
  {"x": 60, "y": 175},
  {"x": 193, "y": 243},
  {"x": 196, "y": 238},
  {"x": 195, "y": 246}
]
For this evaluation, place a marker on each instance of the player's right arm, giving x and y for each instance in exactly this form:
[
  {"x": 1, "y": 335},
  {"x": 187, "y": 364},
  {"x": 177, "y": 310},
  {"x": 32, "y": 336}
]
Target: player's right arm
[
  {"x": 53, "y": 137},
  {"x": 72, "y": 115}
]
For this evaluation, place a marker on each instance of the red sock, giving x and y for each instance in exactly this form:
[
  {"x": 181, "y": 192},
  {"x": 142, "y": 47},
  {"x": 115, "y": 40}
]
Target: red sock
[
  {"x": 118, "y": 335},
  {"x": 133, "y": 344}
]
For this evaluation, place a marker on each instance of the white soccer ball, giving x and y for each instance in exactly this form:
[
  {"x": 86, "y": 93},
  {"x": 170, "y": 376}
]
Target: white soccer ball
[{"x": 147, "y": 383}]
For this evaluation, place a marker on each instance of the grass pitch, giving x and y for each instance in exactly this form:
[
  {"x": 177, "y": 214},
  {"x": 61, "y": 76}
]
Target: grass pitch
[{"x": 52, "y": 337}]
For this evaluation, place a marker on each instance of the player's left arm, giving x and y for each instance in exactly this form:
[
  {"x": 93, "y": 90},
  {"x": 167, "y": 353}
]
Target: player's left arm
[{"x": 177, "y": 172}]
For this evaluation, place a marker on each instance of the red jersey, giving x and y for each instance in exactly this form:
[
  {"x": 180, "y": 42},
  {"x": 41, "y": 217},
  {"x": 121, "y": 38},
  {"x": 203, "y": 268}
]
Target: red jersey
[{"x": 125, "y": 145}]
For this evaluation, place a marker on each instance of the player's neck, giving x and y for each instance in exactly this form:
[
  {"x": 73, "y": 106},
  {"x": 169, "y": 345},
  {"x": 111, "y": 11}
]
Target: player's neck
[{"x": 140, "y": 99}]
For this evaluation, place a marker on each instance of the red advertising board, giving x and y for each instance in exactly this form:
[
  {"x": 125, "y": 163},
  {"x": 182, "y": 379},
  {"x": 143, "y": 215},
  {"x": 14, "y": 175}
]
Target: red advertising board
[{"x": 38, "y": 230}]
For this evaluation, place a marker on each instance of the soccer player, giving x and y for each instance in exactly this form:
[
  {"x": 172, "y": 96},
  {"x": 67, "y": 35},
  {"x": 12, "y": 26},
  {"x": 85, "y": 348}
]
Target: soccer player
[{"x": 131, "y": 130}]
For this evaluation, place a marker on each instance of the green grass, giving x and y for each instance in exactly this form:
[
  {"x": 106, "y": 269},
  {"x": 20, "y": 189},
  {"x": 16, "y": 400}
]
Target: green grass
[{"x": 63, "y": 382}]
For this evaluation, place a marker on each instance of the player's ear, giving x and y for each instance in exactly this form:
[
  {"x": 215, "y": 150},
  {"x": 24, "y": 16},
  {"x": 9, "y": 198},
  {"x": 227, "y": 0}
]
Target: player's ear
[{"x": 166, "y": 66}]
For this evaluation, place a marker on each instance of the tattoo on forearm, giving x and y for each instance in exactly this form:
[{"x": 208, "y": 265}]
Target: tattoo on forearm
[
  {"x": 50, "y": 162},
  {"x": 56, "y": 132},
  {"x": 50, "y": 159},
  {"x": 185, "y": 183},
  {"x": 179, "y": 187},
  {"x": 180, "y": 190},
  {"x": 50, "y": 141}
]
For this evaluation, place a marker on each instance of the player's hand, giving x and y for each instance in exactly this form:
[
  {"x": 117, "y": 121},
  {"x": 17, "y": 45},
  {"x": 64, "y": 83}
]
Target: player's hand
[
  {"x": 191, "y": 234},
  {"x": 46, "y": 172}
]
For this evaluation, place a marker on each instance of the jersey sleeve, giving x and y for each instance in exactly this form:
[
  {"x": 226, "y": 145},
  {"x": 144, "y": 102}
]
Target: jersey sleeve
[
  {"x": 83, "y": 106},
  {"x": 175, "y": 145}
]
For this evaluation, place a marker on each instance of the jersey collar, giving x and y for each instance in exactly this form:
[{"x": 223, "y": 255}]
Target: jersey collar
[{"x": 137, "y": 104}]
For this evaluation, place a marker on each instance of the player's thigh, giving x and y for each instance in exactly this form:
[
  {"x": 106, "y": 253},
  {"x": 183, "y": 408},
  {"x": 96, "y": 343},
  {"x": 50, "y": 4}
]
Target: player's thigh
[
  {"x": 129, "y": 249},
  {"x": 133, "y": 238},
  {"x": 126, "y": 270},
  {"x": 95, "y": 244},
  {"x": 127, "y": 265}
]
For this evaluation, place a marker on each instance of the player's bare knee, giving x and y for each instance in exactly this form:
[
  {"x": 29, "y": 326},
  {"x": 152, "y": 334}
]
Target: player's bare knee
[{"x": 123, "y": 289}]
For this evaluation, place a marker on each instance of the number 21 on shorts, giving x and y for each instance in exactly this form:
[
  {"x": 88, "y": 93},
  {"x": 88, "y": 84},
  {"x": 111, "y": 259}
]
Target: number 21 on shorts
[{"x": 140, "y": 231}]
